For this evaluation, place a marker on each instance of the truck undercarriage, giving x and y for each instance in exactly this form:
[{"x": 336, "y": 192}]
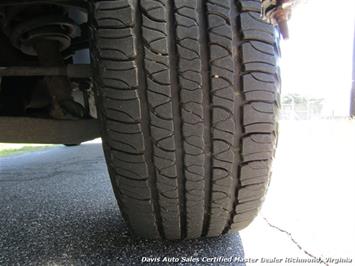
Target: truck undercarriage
[{"x": 45, "y": 72}]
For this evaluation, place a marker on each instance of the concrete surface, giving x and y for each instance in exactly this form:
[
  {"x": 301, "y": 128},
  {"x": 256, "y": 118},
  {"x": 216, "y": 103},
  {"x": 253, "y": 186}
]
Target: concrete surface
[
  {"x": 57, "y": 208},
  {"x": 310, "y": 206}
]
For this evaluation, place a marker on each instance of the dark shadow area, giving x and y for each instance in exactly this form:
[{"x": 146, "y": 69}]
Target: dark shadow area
[{"x": 57, "y": 207}]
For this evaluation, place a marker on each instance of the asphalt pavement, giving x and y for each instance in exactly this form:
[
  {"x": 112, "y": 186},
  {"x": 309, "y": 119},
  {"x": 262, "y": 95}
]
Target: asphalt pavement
[{"x": 57, "y": 208}]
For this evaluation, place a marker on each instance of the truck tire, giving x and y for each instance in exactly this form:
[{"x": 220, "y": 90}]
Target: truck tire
[
  {"x": 188, "y": 96},
  {"x": 72, "y": 145}
]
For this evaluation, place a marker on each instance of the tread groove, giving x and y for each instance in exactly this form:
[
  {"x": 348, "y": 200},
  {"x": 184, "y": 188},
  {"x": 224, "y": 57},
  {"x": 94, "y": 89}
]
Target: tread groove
[
  {"x": 146, "y": 121},
  {"x": 173, "y": 61},
  {"x": 238, "y": 116},
  {"x": 206, "y": 85}
]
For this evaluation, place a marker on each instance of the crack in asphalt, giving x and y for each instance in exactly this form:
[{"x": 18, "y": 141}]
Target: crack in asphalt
[{"x": 294, "y": 241}]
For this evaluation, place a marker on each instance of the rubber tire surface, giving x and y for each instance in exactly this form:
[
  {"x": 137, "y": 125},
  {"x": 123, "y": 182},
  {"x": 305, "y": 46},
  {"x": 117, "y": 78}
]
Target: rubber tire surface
[
  {"x": 188, "y": 95},
  {"x": 72, "y": 145}
]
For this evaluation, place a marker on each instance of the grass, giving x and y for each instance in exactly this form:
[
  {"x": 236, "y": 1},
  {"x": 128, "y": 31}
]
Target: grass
[{"x": 16, "y": 149}]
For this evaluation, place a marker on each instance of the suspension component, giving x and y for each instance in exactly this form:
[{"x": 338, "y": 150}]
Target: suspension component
[
  {"x": 45, "y": 31},
  {"x": 60, "y": 30},
  {"x": 278, "y": 12},
  {"x": 46, "y": 22}
]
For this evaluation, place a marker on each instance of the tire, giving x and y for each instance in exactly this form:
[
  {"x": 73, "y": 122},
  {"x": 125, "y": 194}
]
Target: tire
[
  {"x": 72, "y": 145},
  {"x": 188, "y": 95}
]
